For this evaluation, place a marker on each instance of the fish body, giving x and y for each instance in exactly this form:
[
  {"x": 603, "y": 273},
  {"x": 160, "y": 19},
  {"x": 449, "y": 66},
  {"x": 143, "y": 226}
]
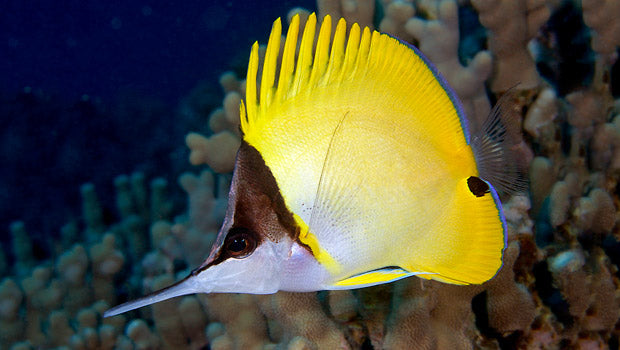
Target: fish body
[{"x": 356, "y": 168}]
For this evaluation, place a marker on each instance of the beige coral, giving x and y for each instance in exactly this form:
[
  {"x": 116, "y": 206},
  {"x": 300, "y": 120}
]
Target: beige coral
[
  {"x": 205, "y": 215},
  {"x": 542, "y": 179},
  {"x": 218, "y": 151},
  {"x": 605, "y": 147},
  {"x": 301, "y": 314},
  {"x": 602, "y": 17},
  {"x": 354, "y": 11},
  {"x": 245, "y": 329},
  {"x": 41, "y": 295},
  {"x": 108, "y": 261},
  {"x": 397, "y": 13},
  {"x": 541, "y": 114},
  {"x": 59, "y": 328},
  {"x": 559, "y": 204},
  {"x": 509, "y": 304},
  {"x": 588, "y": 107},
  {"x": 72, "y": 267},
  {"x": 374, "y": 308},
  {"x": 141, "y": 335},
  {"x": 512, "y": 23},
  {"x": 410, "y": 323},
  {"x": 11, "y": 297},
  {"x": 604, "y": 211},
  {"x": 588, "y": 287},
  {"x": 342, "y": 305},
  {"x": 168, "y": 321},
  {"x": 194, "y": 321}
]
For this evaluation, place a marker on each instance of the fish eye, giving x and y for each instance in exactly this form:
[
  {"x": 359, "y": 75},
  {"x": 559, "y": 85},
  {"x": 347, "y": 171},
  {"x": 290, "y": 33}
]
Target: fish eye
[{"x": 240, "y": 243}]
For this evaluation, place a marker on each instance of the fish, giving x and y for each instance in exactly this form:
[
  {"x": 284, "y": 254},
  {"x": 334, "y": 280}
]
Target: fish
[{"x": 356, "y": 168}]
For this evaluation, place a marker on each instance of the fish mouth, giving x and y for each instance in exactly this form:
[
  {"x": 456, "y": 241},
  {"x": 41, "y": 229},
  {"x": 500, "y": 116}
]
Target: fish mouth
[{"x": 183, "y": 287}]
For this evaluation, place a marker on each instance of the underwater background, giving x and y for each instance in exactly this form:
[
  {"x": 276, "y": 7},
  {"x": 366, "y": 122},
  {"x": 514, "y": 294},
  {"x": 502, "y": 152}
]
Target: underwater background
[{"x": 99, "y": 203}]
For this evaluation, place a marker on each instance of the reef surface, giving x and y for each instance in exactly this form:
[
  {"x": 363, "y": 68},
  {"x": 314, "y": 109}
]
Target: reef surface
[{"x": 559, "y": 286}]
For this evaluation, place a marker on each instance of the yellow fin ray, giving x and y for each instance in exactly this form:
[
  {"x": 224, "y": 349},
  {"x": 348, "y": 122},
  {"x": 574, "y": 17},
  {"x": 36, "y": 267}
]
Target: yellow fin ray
[
  {"x": 322, "y": 51},
  {"x": 351, "y": 51},
  {"x": 270, "y": 66},
  {"x": 304, "y": 60},
  {"x": 249, "y": 110},
  {"x": 288, "y": 60},
  {"x": 363, "y": 51},
  {"x": 337, "y": 54}
]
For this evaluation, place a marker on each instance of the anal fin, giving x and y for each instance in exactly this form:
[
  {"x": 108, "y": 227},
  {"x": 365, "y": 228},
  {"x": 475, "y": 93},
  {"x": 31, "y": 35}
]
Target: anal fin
[{"x": 375, "y": 277}]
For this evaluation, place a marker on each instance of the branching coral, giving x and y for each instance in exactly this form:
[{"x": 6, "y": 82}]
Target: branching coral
[
  {"x": 219, "y": 149},
  {"x": 512, "y": 24},
  {"x": 360, "y": 11},
  {"x": 397, "y": 13},
  {"x": 602, "y": 17},
  {"x": 558, "y": 286},
  {"x": 540, "y": 116},
  {"x": 504, "y": 296}
]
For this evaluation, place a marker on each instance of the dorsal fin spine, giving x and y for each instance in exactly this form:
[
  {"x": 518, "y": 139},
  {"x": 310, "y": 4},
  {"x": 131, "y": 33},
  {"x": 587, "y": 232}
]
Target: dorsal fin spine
[
  {"x": 351, "y": 52},
  {"x": 372, "y": 62},
  {"x": 270, "y": 66},
  {"x": 288, "y": 60},
  {"x": 337, "y": 53},
  {"x": 249, "y": 111},
  {"x": 322, "y": 51},
  {"x": 362, "y": 52},
  {"x": 304, "y": 61},
  {"x": 378, "y": 49}
]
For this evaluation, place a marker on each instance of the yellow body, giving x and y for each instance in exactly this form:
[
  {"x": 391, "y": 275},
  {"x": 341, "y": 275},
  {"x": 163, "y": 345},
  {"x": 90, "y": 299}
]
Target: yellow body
[{"x": 369, "y": 153}]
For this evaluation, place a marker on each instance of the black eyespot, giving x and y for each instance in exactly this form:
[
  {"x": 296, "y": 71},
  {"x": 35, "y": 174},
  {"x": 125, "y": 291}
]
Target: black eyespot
[
  {"x": 477, "y": 186},
  {"x": 240, "y": 243}
]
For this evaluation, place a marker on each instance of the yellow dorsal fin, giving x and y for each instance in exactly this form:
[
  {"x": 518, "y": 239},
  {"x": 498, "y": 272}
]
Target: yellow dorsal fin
[
  {"x": 337, "y": 52},
  {"x": 362, "y": 56},
  {"x": 304, "y": 59},
  {"x": 313, "y": 67},
  {"x": 270, "y": 67},
  {"x": 322, "y": 51},
  {"x": 288, "y": 59}
]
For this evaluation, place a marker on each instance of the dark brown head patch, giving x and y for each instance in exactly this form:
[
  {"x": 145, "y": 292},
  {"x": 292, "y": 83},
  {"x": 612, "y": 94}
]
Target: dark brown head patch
[
  {"x": 255, "y": 206},
  {"x": 478, "y": 187},
  {"x": 260, "y": 206}
]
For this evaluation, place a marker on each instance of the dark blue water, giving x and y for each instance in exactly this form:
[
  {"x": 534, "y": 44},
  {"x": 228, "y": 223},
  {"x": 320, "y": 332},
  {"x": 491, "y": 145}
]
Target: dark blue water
[
  {"x": 159, "y": 48},
  {"x": 90, "y": 90}
]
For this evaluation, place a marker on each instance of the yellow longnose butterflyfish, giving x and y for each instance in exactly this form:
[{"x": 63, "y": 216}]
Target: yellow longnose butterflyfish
[{"x": 356, "y": 168}]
